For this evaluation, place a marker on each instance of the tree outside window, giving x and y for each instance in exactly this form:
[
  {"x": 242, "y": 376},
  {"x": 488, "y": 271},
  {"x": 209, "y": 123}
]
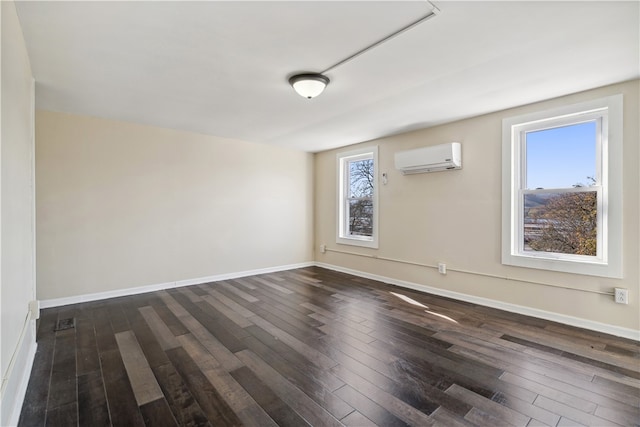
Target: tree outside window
[{"x": 360, "y": 201}]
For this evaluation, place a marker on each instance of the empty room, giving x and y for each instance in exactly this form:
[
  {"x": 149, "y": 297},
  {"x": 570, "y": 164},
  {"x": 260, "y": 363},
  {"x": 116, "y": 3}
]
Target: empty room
[{"x": 323, "y": 213}]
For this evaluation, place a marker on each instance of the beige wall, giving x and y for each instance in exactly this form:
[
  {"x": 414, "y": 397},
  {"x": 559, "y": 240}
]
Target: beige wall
[
  {"x": 455, "y": 217},
  {"x": 16, "y": 199},
  {"x": 121, "y": 205}
]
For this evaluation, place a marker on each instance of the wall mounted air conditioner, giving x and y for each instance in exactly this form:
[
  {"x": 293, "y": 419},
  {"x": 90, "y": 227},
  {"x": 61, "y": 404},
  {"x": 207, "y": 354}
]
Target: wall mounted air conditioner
[{"x": 430, "y": 159}]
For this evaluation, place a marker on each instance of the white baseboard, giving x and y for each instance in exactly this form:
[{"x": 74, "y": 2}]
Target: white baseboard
[
  {"x": 18, "y": 377},
  {"x": 57, "y": 302},
  {"x": 514, "y": 308}
]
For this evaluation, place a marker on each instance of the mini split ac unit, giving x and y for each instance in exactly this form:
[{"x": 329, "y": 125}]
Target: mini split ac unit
[{"x": 430, "y": 159}]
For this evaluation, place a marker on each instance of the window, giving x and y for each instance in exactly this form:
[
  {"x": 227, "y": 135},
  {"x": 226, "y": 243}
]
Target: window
[
  {"x": 358, "y": 198},
  {"x": 562, "y": 201}
]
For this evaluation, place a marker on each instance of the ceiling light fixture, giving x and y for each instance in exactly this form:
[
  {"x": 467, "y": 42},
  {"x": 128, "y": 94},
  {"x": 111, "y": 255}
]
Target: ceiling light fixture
[{"x": 310, "y": 85}]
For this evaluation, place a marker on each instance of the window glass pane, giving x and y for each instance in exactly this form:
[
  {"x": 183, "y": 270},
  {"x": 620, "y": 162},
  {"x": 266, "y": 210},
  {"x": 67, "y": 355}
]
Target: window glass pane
[
  {"x": 357, "y": 214},
  {"x": 563, "y": 223},
  {"x": 361, "y": 178},
  {"x": 360, "y": 217},
  {"x": 561, "y": 157}
]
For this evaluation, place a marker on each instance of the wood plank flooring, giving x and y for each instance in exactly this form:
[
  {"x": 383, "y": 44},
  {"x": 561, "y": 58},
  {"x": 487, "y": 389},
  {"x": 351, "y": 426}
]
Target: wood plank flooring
[{"x": 316, "y": 347}]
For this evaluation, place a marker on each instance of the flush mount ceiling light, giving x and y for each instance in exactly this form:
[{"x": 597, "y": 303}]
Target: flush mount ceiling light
[{"x": 310, "y": 85}]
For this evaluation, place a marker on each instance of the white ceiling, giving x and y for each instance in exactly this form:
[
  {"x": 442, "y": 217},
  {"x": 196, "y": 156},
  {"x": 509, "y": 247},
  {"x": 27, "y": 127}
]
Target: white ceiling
[{"x": 221, "y": 68}]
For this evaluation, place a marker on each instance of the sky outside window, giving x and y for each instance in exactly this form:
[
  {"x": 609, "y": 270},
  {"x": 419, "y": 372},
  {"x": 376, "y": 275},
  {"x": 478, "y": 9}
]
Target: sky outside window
[{"x": 561, "y": 157}]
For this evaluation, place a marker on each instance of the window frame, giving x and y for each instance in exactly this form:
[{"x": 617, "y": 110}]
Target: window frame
[
  {"x": 342, "y": 229},
  {"x": 607, "y": 112}
]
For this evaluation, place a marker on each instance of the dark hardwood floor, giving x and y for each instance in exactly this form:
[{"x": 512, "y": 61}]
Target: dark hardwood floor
[{"x": 316, "y": 347}]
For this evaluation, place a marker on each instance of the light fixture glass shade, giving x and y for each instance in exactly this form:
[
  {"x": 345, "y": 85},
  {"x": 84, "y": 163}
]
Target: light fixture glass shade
[{"x": 309, "y": 85}]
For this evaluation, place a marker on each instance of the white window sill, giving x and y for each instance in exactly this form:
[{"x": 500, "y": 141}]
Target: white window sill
[
  {"x": 355, "y": 241},
  {"x": 584, "y": 266}
]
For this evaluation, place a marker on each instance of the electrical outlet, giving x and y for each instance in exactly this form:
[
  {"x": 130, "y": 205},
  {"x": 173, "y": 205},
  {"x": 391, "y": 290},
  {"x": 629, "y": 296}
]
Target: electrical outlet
[
  {"x": 323, "y": 248},
  {"x": 621, "y": 295},
  {"x": 442, "y": 268}
]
